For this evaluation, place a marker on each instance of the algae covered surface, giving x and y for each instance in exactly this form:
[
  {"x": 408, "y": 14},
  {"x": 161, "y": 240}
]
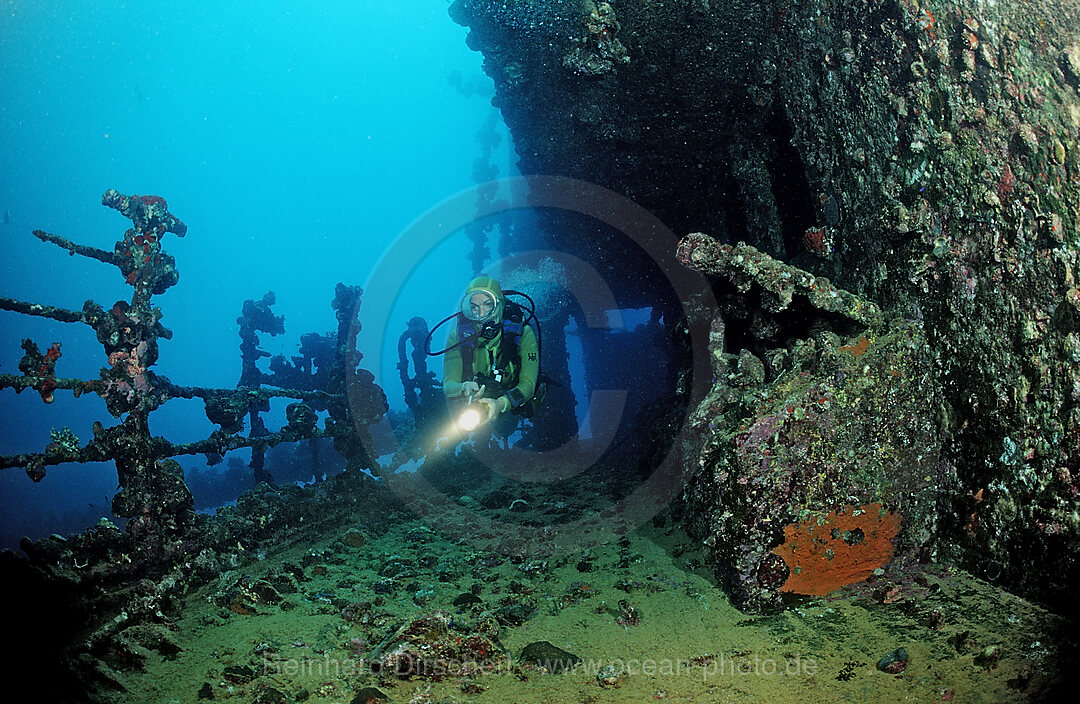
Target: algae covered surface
[
  {"x": 921, "y": 154},
  {"x": 640, "y": 618}
]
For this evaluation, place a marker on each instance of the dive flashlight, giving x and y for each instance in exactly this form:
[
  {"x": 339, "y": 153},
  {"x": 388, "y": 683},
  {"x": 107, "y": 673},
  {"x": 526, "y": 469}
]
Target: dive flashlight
[{"x": 470, "y": 418}]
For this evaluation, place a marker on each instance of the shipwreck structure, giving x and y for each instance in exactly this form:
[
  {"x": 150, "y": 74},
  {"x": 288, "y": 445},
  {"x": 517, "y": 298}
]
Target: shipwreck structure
[
  {"x": 922, "y": 155},
  {"x": 883, "y": 198},
  {"x": 105, "y": 593}
]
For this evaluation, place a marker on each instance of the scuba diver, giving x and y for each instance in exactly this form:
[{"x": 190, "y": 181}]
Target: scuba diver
[{"x": 492, "y": 364}]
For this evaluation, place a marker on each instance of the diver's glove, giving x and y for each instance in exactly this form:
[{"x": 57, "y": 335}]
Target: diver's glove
[
  {"x": 495, "y": 407},
  {"x": 470, "y": 389}
]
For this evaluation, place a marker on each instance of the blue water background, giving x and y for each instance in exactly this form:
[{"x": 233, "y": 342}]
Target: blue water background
[{"x": 296, "y": 140}]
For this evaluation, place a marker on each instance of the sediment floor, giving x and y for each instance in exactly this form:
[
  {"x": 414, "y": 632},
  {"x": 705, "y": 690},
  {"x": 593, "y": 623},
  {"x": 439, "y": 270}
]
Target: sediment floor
[{"x": 640, "y": 606}]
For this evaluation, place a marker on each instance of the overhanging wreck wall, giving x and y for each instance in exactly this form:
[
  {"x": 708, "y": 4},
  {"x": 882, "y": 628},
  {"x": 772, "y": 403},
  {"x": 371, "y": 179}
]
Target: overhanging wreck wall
[{"x": 923, "y": 155}]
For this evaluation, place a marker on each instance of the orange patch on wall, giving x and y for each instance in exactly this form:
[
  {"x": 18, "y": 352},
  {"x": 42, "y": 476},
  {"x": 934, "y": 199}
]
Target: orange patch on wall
[
  {"x": 860, "y": 346},
  {"x": 846, "y": 548}
]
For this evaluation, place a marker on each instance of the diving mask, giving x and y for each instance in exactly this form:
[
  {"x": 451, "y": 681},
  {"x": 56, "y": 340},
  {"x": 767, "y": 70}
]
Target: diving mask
[{"x": 480, "y": 305}]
